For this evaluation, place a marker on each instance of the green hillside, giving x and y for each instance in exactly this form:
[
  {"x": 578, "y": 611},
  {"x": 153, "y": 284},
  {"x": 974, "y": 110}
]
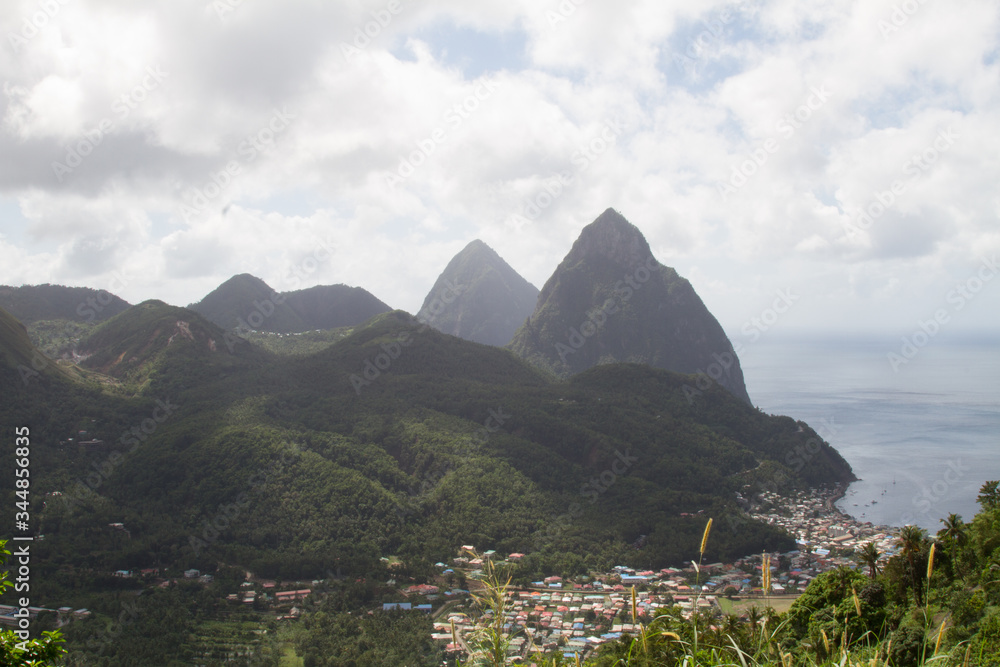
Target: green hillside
[
  {"x": 246, "y": 303},
  {"x": 153, "y": 338},
  {"x": 452, "y": 442},
  {"x": 20, "y": 358},
  {"x": 31, "y": 303}
]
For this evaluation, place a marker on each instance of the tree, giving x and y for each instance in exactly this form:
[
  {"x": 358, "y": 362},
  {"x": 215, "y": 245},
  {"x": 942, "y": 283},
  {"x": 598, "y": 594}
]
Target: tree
[
  {"x": 753, "y": 618},
  {"x": 911, "y": 539},
  {"x": 867, "y": 556},
  {"x": 954, "y": 529},
  {"x": 954, "y": 532},
  {"x": 15, "y": 652},
  {"x": 989, "y": 495}
]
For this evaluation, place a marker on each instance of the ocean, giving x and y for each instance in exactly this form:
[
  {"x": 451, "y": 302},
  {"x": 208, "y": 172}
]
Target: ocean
[{"x": 922, "y": 439}]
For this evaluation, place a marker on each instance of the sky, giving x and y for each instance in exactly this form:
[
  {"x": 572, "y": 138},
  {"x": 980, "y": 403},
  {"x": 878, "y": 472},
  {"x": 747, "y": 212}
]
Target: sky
[{"x": 827, "y": 167}]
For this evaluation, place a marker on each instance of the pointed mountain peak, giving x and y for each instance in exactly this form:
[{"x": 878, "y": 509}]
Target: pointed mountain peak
[
  {"x": 479, "y": 297},
  {"x": 613, "y": 237},
  {"x": 478, "y": 245},
  {"x": 609, "y": 300},
  {"x": 479, "y": 250}
]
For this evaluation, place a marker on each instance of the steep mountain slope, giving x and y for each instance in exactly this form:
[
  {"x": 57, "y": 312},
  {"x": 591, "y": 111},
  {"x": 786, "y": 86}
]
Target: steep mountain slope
[
  {"x": 171, "y": 343},
  {"x": 479, "y": 297},
  {"x": 245, "y": 302},
  {"x": 610, "y": 300},
  {"x": 19, "y": 357},
  {"x": 32, "y": 303}
]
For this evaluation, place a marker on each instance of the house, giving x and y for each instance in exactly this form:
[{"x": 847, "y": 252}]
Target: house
[
  {"x": 421, "y": 589},
  {"x": 192, "y": 574},
  {"x": 291, "y": 596}
]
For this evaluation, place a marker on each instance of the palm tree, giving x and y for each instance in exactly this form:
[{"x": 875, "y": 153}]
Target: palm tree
[
  {"x": 954, "y": 529},
  {"x": 989, "y": 495},
  {"x": 753, "y": 616},
  {"x": 911, "y": 539},
  {"x": 867, "y": 556},
  {"x": 954, "y": 532}
]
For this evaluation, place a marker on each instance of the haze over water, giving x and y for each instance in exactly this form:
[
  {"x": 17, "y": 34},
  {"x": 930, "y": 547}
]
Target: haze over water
[{"x": 922, "y": 440}]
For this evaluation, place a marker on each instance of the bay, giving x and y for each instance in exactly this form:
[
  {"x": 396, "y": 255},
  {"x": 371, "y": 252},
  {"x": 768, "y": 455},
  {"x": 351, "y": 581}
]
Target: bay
[{"x": 921, "y": 438}]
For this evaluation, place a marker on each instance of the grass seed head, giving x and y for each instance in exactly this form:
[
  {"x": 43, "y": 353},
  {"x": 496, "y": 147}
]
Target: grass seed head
[{"x": 704, "y": 537}]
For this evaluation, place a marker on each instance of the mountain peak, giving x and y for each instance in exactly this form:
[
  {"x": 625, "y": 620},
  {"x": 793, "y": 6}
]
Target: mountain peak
[
  {"x": 613, "y": 237},
  {"x": 246, "y": 300},
  {"x": 479, "y": 297},
  {"x": 609, "y": 300}
]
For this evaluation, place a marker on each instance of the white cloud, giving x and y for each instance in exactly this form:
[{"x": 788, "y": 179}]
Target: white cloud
[{"x": 355, "y": 120}]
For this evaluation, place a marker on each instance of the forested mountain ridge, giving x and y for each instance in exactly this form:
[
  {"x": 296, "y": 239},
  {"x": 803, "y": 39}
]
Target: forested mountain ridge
[
  {"x": 445, "y": 442},
  {"x": 33, "y": 303},
  {"x": 245, "y": 302}
]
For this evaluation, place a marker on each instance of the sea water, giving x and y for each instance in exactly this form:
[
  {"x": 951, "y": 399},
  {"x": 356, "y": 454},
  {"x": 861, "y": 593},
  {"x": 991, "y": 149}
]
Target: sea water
[{"x": 922, "y": 438}]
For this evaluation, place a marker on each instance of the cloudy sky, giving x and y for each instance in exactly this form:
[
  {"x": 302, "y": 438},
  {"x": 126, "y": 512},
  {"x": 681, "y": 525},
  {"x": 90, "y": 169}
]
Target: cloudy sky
[{"x": 847, "y": 153}]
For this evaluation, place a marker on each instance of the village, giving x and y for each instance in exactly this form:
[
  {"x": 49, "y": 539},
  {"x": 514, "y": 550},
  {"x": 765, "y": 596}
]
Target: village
[{"x": 577, "y": 617}]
